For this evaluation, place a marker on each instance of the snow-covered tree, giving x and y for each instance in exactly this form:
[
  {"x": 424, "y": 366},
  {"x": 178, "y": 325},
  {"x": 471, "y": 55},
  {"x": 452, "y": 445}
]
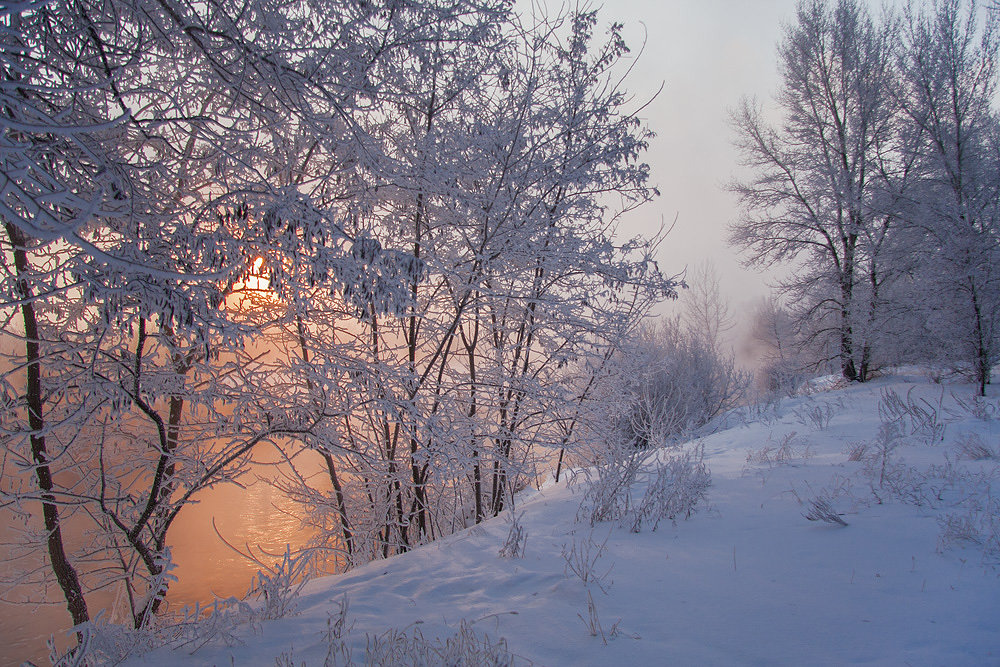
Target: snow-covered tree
[
  {"x": 152, "y": 152},
  {"x": 498, "y": 191},
  {"x": 950, "y": 82},
  {"x": 816, "y": 193},
  {"x": 705, "y": 313},
  {"x": 377, "y": 233}
]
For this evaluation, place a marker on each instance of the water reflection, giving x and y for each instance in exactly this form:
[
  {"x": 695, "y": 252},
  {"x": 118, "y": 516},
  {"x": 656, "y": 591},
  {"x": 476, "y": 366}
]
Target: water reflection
[{"x": 256, "y": 516}]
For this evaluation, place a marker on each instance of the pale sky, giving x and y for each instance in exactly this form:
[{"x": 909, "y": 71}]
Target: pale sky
[{"x": 708, "y": 54}]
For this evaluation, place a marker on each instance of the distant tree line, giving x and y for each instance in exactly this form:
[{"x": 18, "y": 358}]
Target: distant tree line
[{"x": 877, "y": 188}]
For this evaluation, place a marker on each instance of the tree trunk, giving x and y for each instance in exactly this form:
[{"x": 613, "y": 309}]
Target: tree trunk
[
  {"x": 847, "y": 367},
  {"x": 65, "y": 573},
  {"x": 982, "y": 357}
]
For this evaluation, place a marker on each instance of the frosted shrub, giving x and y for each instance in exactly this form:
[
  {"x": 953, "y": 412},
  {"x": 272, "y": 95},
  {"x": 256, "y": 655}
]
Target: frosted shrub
[
  {"x": 104, "y": 643},
  {"x": 272, "y": 595},
  {"x": 673, "y": 382},
  {"x": 856, "y": 451},
  {"x": 889, "y": 477},
  {"x": 979, "y": 407},
  {"x": 677, "y": 486},
  {"x": 673, "y": 488},
  {"x": 946, "y": 484},
  {"x": 955, "y": 528},
  {"x": 397, "y": 648},
  {"x": 880, "y": 460},
  {"x": 217, "y": 622},
  {"x": 972, "y": 447},
  {"x": 815, "y": 416},
  {"x": 955, "y": 485},
  {"x": 911, "y": 416},
  {"x": 978, "y": 526},
  {"x": 110, "y": 643},
  {"x": 338, "y": 650},
  {"x": 517, "y": 539},
  {"x": 278, "y": 587},
  {"x": 788, "y": 449},
  {"x": 761, "y": 407},
  {"x": 581, "y": 560},
  {"x": 609, "y": 485},
  {"x": 820, "y": 509}
]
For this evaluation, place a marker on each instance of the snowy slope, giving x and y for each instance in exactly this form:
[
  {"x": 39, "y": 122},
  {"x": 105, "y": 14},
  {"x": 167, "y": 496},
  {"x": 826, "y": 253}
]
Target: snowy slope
[{"x": 746, "y": 580}]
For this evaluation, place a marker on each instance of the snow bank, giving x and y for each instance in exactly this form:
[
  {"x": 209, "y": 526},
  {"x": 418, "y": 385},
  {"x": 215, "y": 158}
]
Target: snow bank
[{"x": 747, "y": 580}]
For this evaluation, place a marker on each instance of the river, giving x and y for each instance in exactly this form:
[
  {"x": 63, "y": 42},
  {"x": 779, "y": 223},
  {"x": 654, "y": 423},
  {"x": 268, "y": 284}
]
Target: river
[{"x": 257, "y": 515}]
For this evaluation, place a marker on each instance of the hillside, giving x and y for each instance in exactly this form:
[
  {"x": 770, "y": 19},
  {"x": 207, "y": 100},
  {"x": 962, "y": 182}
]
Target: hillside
[{"x": 747, "y": 579}]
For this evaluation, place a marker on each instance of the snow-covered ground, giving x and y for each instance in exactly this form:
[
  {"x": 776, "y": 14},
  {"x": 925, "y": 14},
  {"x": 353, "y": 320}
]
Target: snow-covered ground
[{"x": 747, "y": 579}]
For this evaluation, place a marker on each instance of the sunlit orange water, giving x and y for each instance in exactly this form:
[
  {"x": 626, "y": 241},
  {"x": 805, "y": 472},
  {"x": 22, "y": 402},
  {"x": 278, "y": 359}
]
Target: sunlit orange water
[{"x": 257, "y": 516}]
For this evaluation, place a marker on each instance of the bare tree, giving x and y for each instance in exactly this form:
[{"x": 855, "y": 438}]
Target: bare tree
[
  {"x": 705, "y": 312},
  {"x": 139, "y": 185},
  {"x": 468, "y": 387},
  {"x": 817, "y": 187},
  {"x": 374, "y": 232},
  {"x": 950, "y": 76}
]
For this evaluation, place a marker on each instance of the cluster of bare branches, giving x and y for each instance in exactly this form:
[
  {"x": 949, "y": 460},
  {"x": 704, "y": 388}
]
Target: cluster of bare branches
[
  {"x": 376, "y": 234},
  {"x": 880, "y": 185}
]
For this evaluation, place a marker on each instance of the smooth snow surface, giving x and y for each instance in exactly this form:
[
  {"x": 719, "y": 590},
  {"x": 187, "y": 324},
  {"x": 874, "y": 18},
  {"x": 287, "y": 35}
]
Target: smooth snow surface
[{"x": 747, "y": 580}]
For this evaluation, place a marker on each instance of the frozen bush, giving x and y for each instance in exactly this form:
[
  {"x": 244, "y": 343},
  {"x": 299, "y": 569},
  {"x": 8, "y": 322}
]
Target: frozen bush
[
  {"x": 760, "y": 407},
  {"x": 677, "y": 486},
  {"x": 103, "y": 643},
  {"x": 946, "y": 484},
  {"x": 972, "y": 447},
  {"x": 882, "y": 460},
  {"x": 979, "y": 407},
  {"x": 788, "y": 449},
  {"x": 816, "y": 416},
  {"x": 672, "y": 488},
  {"x": 109, "y": 643},
  {"x": 978, "y": 525},
  {"x": 820, "y": 509},
  {"x": 277, "y": 587},
  {"x": 338, "y": 651},
  {"x": 856, "y": 451},
  {"x": 888, "y": 476},
  {"x": 608, "y": 495},
  {"x": 581, "y": 560},
  {"x": 911, "y": 416},
  {"x": 272, "y": 595},
  {"x": 672, "y": 383},
  {"x": 397, "y": 648},
  {"x": 517, "y": 539}
]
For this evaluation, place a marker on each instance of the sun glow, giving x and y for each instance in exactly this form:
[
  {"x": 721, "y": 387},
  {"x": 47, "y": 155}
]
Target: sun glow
[
  {"x": 251, "y": 290},
  {"x": 257, "y": 278}
]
